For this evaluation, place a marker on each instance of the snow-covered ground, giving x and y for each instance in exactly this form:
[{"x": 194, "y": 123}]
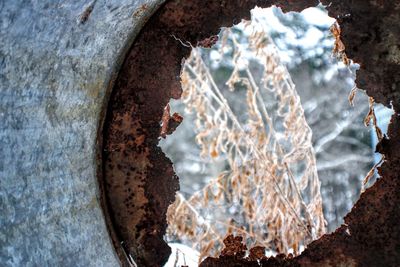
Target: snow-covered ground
[{"x": 182, "y": 255}]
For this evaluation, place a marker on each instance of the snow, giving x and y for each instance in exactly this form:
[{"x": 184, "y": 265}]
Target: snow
[
  {"x": 315, "y": 16},
  {"x": 186, "y": 256},
  {"x": 312, "y": 39}
]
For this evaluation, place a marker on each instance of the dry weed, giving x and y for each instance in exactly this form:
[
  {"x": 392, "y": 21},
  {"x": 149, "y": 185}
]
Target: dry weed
[{"x": 269, "y": 193}]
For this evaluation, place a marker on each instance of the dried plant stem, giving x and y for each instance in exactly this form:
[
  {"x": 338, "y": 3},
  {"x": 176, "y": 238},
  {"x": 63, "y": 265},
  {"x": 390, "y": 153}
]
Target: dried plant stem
[{"x": 269, "y": 192}]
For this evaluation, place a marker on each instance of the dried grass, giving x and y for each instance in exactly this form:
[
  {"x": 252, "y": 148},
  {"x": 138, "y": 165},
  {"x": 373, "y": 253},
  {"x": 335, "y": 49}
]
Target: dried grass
[{"x": 269, "y": 193}]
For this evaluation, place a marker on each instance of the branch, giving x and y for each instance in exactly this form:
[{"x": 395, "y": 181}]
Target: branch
[{"x": 344, "y": 159}]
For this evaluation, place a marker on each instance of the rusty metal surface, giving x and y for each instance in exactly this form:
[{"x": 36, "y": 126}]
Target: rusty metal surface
[
  {"x": 56, "y": 60},
  {"x": 140, "y": 182}
]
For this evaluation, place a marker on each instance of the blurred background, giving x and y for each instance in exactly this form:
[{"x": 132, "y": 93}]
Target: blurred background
[{"x": 344, "y": 146}]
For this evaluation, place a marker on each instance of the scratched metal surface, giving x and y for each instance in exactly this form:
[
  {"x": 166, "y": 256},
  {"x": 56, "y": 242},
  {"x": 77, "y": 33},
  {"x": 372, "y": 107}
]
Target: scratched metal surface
[{"x": 56, "y": 61}]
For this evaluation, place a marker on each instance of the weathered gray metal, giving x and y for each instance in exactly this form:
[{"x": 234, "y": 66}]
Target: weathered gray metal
[{"x": 57, "y": 59}]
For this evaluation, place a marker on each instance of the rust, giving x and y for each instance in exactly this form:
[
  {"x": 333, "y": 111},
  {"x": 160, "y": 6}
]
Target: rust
[
  {"x": 234, "y": 247},
  {"x": 140, "y": 10},
  {"x": 86, "y": 12},
  {"x": 257, "y": 253},
  {"x": 371, "y": 234},
  {"x": 139, "y": 181},
  {"x": 169, "y": 123},
  {"x": 208, "y": 42}
]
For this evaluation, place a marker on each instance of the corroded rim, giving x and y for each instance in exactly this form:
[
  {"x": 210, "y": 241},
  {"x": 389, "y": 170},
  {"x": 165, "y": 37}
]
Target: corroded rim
[{"x": 138, "y": 180}]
